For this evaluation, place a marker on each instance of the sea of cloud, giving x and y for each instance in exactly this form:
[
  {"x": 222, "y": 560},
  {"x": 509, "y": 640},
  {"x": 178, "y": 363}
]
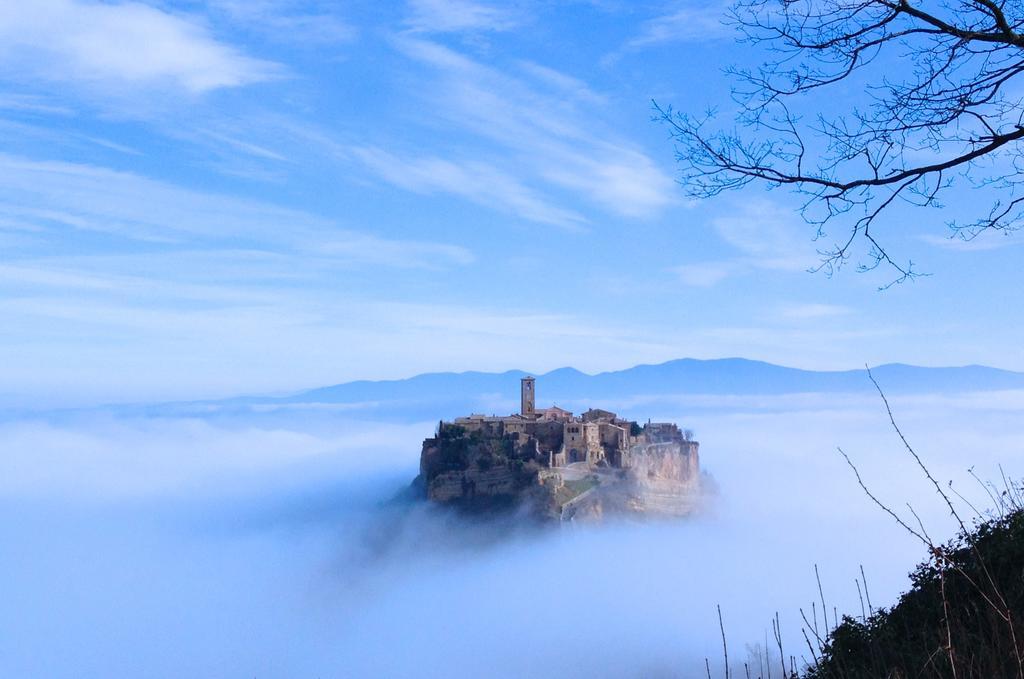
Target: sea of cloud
[{"x": 269, "y": 544}]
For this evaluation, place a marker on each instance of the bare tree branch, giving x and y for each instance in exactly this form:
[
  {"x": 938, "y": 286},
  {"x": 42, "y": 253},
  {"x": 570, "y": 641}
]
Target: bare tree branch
[{"x": 943, "y": 110}]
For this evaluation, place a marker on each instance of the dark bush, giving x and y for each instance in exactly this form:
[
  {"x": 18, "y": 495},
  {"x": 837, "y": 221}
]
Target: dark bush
[{"x": 961, "y": 618}]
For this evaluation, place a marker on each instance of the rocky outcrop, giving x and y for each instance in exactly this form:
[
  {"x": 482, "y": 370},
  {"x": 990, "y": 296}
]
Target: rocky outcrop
[
  {"x": 490, "y": 467},
  {"x": 665, "y": 478},
  {"x": 474, "y": 470},
  {"x": 472, "y": 483},
  {"x": 672, "y": 462}
]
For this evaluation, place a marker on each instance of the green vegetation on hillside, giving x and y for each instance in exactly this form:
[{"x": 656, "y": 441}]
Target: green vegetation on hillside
[
  {"x": 962, "y": 617},
  {"x": 460, "y": 450}
]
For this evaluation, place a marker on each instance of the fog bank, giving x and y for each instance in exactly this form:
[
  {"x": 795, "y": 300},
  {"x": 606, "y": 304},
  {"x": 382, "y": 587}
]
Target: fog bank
[{"x": 265, "y": 544}]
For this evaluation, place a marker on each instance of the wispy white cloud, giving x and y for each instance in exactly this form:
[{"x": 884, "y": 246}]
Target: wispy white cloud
[
  {"x": 32, "y": 104},
  {"x": 622, "y": 180},
  {"x": 289, "y": 21},
  {"x": 451, "y": 16},
  {"x": 121, "y": 45},
  {"x": 704, "y": 274},
  {"x": 554, "y": 138},
  {"x": 476, "y": 181},
  {"x": 691, "y": 22},
  {"x": 406, "y": 254},
  {"x": 112, "y": 145},
  {"x": 62, "y": 195},
  {"x": 562, "y": 84},
  {"x": 51, "y": 199},
  {"x": 233, "y": 142},
  {"x": 765, "y": 236},
  {"x": 772, "y": 237}
]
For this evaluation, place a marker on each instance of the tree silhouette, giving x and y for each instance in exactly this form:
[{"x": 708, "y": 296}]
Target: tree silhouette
[{"x": 943, "y": 109}]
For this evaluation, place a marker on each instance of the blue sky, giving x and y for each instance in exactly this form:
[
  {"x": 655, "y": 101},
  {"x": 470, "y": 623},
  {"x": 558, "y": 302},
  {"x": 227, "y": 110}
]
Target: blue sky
[{"x": 211, "y": 198}]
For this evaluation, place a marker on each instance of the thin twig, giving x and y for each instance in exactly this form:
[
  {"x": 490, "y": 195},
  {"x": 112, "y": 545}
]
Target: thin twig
[
  {"x": 725, "y": 648},
  {"x": 879, "y": 503},
  {"x": 867, "y": 595}
]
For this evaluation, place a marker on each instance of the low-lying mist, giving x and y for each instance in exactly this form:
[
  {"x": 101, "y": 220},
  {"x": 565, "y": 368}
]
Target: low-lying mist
[{"x": 269, "y": 545}]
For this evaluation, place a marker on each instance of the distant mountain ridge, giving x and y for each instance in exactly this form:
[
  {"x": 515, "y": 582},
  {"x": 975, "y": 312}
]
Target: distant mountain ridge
[
  {"x": 432, "y": 396},
  {"x": 447, "y": 394},
  {"x": 681, "y": 376}
]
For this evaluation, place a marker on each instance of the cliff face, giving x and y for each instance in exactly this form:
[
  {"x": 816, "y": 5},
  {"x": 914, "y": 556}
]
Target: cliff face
[{"x": 666, "y": 477}]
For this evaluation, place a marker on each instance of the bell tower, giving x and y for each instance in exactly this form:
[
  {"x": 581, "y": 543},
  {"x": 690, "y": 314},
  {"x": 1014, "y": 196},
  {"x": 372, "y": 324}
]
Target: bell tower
[{"x": 528, "y": 402}]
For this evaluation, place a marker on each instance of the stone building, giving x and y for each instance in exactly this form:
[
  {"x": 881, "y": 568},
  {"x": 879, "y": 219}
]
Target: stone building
[
  {"x": 597, "y": 437},
  {"x": 561, "y": 463}
]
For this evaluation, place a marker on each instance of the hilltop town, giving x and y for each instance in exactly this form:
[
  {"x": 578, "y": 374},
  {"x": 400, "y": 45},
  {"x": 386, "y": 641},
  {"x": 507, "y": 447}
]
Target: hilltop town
[{"x": 560, "y": 466}]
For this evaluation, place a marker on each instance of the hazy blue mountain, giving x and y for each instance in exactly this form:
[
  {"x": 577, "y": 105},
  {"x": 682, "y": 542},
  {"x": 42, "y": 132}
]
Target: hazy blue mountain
[
  {"x": 683, "y": 376},
  {"x": 444, "y": 395},
  {"x": 436, "y": 395}
]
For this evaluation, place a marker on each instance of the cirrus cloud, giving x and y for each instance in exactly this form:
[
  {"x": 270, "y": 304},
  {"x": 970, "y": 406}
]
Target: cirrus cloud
[
  {"x": 123, "y": 45},
  {"x": 448, "y": 16}
]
